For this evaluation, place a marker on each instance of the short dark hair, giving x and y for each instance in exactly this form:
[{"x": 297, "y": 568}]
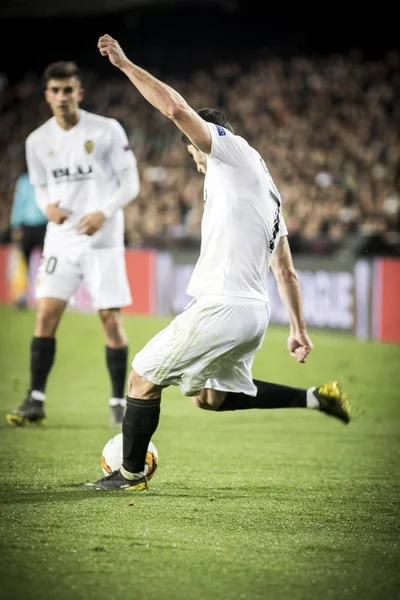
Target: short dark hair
[
  {"x": 62, "y": 69},
  {"x": 211, "y": 116}
]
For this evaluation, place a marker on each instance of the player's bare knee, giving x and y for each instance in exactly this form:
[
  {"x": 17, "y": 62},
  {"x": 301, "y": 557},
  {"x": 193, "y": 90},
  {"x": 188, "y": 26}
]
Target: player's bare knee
[
  {"x": 140, "y": 387},
  {"x": 114, "y": 332}
]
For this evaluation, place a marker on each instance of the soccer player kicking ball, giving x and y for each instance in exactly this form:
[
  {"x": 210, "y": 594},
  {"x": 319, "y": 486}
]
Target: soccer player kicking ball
[
  {"x": 84, "y": 173},
  {"x": 208, "y": 350}
]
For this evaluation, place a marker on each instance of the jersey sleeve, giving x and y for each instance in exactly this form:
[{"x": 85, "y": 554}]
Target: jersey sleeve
[
  {"x": 121, "y": 155},
  {"x": 282, "y": 227},
  {"x": 225, "y": 146},
  {"x": 36, "y": 170}
]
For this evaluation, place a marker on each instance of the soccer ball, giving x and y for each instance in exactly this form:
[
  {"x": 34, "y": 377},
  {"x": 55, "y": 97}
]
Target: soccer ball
[{"x": 111, "y": 457}]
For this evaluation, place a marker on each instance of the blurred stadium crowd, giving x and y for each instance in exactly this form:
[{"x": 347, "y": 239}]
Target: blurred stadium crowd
[{"x": 327, "y": 127}]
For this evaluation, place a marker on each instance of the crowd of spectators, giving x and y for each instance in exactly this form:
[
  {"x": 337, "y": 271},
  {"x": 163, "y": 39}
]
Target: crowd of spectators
[{"x": 327, "y": 127}]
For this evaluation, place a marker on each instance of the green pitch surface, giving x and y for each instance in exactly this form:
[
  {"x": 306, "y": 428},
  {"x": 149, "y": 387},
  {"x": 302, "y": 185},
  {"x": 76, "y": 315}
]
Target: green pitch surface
[{"x": 280, "y": 505}]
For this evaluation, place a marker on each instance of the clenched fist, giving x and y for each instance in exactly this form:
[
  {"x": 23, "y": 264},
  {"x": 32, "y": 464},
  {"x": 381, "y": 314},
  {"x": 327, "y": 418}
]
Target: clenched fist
[
  {"x": 300, "y": 346},
  {"x": 111, "y": 48}
]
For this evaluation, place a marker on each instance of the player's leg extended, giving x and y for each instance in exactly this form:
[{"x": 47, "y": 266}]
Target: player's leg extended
[
  {"x": 116, "y": 360},
  {"x": 42, "y": 353},
  {"x": 233, "y": 373},
  {"x": 327, "y": 398},
  {"x": 139, "y": 424}
]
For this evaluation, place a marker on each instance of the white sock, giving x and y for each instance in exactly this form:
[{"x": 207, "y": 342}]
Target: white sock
[
  {"x": 117, "y": 402},
  {"x": 38, "y": 395},
  {"x": 131, "y": 476},
  {"x": 312, "y": 401}
]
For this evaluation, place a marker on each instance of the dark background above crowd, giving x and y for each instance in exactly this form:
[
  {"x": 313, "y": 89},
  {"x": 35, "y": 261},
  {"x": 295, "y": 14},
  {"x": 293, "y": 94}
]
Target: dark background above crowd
[{"x": 178, "y": 37}]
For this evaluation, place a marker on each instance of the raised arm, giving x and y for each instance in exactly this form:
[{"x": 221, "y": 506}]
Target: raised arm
[
  {"x": 159, "y": 94},
  {"x": 299, "y": 344}
]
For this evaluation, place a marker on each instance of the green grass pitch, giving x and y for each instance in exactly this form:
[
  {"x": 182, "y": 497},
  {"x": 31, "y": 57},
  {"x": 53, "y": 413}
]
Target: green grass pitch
[{"x": 257, "y": 505}]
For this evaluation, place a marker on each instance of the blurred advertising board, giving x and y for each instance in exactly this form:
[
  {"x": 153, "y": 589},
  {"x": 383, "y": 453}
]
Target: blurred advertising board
[
  {"x": 327, "y": 290},
  {"x": 359, "y": 297},
  {"x": 386, "y": 300},
  {"x": 141, "y": 269}
]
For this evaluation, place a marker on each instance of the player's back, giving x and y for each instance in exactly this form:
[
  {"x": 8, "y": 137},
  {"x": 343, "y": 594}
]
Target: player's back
[{"x": 241, "y": 224}]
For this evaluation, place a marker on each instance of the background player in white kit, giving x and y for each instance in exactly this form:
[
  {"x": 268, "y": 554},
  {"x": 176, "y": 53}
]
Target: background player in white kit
[
  {"x": 208, "y": 350},
  {"x": 84, "y": 173}
]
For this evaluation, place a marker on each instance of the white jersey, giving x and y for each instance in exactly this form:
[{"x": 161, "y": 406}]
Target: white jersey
[
  {"x": 79, "y": 168},
  {"x": 242, "y": 221}
]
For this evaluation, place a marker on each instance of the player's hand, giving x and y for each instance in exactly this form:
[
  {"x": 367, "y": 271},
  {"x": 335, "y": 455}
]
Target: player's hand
[
  {"x": 91, "y": 223},
  {"x": 56, "y": 214},
  {"x": 111, "y": 48},
  {"x": 300, "y": 346}
]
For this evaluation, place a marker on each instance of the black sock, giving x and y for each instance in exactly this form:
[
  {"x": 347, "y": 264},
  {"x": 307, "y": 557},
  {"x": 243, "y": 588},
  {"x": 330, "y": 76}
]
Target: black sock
[
  {"x": 269, "y": 395},
  {"x": 117, "y": 364},
  {"x": 43, "y": 350},
  {"x": 139, "y": 423}
]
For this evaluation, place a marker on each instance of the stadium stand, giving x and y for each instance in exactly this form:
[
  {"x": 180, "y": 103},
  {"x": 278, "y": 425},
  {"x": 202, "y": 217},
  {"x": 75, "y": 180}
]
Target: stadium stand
[{"x": 327, "y": 126}]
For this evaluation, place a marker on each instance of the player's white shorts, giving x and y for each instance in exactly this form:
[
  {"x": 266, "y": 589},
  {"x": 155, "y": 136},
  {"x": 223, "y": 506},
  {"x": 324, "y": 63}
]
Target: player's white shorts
[
  {"x": 102, "y": 270},
  {"x": 211, "y": 344}
]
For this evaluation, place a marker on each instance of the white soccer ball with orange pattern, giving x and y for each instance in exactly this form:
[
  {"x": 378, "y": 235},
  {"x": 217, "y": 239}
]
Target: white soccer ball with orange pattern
[{"x": 111, "y": 457}]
